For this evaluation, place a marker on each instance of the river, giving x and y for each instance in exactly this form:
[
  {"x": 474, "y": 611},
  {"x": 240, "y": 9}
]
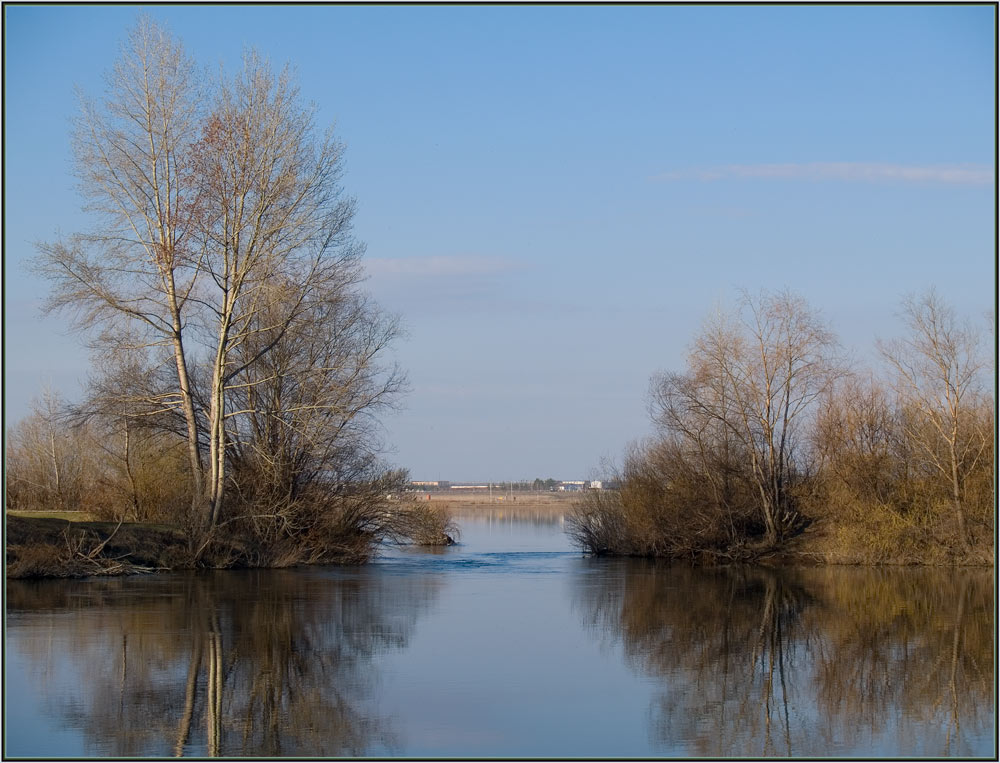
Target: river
[{"x": 510, "y": 644}]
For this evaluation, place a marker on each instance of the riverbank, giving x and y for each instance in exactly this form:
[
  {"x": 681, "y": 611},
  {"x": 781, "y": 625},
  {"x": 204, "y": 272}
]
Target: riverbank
[
  {"x": 509, "y": 644},
  {"x": 600, "y": 528},
  {"x": 57, "y": 547},
  {"x": 75, "y": 544}
]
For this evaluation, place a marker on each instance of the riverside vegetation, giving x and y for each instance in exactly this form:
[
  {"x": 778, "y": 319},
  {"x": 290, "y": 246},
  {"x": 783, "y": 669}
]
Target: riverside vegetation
[
  {"x": 770, "y": 445},
  {"x": 239, "y": 368}
]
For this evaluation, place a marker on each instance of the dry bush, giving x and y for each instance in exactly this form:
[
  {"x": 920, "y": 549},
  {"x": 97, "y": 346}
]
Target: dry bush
[
  {"x": 666, "y": 507},
  {"x": 921, "y": 530},
  {"x": 866, "y": 532},
  {"x": 597, "y": 523},
  {"x": 312, "y": 529},
  {"x": 327, "y": 522},
  {"x": 149, "y": 483},
  {"x": 880, "y": 490},
  {"x": 687, "y": 505},
  {"x": 421, "y": 523}
]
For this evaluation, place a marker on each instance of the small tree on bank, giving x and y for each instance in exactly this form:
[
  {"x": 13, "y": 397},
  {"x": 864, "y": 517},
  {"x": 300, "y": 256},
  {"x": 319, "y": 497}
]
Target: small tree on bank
[
  {"x": 937, "y": 373},
  {"x": 741, "y": 407},
  {"x": 44, "y": 466}
]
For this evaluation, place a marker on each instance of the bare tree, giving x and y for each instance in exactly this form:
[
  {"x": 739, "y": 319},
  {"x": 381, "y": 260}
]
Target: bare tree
[
  {"x": 753, "y": 375},
  {"x": 135, "y": 272},
  {"x": 314, "y": 395},
  {"x": 46, "y": 461},
  {"x": 697, "y": 411},
  {"x": 273, "y": 212},
  {"x": 938, "y": 369},
  {"x": 203, "y": 202},
  {"x": 136, "y": 435},
  {"x": 301, "y": 418}
]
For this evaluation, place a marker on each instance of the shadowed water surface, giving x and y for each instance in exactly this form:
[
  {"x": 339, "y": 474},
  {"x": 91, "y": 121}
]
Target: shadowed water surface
[{"x": 509, "y": 644}]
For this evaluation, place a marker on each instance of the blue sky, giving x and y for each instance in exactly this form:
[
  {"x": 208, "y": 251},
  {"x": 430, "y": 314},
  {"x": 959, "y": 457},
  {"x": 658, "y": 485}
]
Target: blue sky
[{"x": 553, "y": 197}]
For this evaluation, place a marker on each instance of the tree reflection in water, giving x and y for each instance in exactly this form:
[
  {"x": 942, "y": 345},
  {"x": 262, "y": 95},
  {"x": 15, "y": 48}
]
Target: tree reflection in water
[
  {"x": 258, "y": 663},
  {"x": 760, "y": 662}
]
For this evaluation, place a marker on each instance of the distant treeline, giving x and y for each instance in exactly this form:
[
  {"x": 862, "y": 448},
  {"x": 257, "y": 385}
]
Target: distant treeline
[{"x": 771, "y": 442}]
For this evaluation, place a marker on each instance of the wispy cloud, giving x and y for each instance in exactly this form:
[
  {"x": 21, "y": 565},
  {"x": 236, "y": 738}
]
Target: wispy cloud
[
  {"x": 858, "y": 172},
  {"x": 439, "y": 266}
]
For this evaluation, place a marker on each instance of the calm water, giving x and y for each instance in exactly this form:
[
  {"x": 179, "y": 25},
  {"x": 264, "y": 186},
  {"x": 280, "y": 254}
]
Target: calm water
[{"x": 510, "y": 644}]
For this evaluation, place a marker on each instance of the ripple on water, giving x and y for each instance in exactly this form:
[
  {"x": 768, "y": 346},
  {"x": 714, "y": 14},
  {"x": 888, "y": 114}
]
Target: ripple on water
[{"x": 531, "y": 562}]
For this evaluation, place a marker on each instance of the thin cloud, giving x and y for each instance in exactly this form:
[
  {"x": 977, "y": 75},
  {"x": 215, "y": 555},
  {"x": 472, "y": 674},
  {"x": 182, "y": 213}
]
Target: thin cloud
[
  {"x": 857, "y": 172},
  {"x": 439, "y": 266}
]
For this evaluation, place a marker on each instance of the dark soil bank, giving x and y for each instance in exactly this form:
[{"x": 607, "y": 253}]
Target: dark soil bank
[{"x": 45, "y": 547}]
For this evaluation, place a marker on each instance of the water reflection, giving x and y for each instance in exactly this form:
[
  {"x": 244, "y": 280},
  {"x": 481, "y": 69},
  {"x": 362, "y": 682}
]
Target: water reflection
[
  {"x": 477, "y": 651},
  {"x": 268, "y": 663},
  {"x": 758, "y": 662}
]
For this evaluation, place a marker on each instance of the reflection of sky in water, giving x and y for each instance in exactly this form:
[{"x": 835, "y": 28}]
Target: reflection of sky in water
[
  {"x": 510, "y": 671},
  {"x": 513, "y": 644}
]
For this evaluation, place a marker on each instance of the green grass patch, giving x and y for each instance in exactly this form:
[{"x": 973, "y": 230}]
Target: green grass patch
[{"x": 69, "y": 516}]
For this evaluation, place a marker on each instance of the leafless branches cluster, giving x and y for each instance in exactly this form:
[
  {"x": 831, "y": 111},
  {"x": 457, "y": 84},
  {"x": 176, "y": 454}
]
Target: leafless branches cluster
[
  {"x": 220, "y": 285},
  {"x": 769, "y": 429}
]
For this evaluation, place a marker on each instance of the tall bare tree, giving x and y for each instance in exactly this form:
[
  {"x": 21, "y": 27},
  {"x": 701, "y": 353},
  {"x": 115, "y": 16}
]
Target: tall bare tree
[
  {"x": 202, "y": 202},
  {"x": 135, "y": 272},
  {"x": 273, "y": 212},
  {"x": 938, "y": 369}
]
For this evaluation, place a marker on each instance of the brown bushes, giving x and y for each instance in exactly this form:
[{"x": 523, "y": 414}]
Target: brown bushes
[
  {"x": 422, "y": 523},
  {"x": 879, "y": 488},
  {"x": 899, "y": 471},
  {"x": 597, "y": 523},
  {"x": 327, "y": 521},
  {"x": 869, "y": 499},
  {"x": 667, "y": 507}
]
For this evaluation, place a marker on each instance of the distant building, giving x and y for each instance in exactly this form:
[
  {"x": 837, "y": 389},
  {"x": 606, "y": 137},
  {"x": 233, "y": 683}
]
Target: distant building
[
  {"x": 596, "y": 485},
  {"x": 429, "y": 485}
]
